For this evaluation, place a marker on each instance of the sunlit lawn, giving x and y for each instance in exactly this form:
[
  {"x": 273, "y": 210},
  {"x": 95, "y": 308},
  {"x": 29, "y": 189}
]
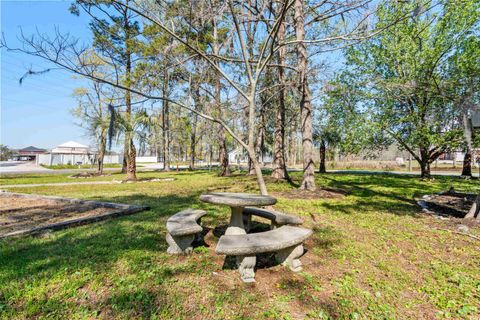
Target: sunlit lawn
[{"x": 372, "y": 256}]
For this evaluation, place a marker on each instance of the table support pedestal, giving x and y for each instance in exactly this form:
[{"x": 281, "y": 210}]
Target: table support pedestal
[{"x": 236, "y": 222}]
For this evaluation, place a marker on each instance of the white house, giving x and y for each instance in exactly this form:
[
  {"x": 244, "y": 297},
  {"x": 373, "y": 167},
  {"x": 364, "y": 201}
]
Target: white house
[
  {"x": 72, "y": 152},
  {"x": 71, "y": 147},
  {"x": 239, "y": 155}
]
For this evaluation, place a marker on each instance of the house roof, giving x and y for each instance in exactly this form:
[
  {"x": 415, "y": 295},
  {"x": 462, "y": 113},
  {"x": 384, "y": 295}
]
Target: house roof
[
  {"x": 31, "y": 149},
  {"x": 72, "y": 144}
]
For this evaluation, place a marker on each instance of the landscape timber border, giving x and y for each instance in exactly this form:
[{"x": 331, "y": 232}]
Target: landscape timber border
[{"x": 122, "y": 209}]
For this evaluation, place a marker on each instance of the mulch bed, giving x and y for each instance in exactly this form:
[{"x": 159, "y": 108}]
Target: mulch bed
[
  {"x": 449, "y": 203},
  {"x": 22, "y": 214}
]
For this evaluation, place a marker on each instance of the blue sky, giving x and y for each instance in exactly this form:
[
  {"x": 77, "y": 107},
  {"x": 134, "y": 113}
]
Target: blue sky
[{"x": 38, "y": 111}]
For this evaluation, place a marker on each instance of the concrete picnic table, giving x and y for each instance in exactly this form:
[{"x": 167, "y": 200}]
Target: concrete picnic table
[{"x": 237, "y": 201}]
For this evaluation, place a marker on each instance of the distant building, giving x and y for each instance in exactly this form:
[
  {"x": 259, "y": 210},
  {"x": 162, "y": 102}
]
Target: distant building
[
  {"x": 239, "y": 155},
  {"x": 476, "y": 119},
  {"x": 27, "y": 154},
  {"x": 74, "y": 153},
  {"x": 71, "y": 147}
]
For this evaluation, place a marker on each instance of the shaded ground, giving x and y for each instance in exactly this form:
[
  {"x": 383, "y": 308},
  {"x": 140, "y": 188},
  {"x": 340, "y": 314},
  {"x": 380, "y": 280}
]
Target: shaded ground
[
  {"x": 18, "y": 214},
  {"x": 373, "y": 255},
  {"x": 450, "y": 204},
  {"x": 320, "y": 193}
]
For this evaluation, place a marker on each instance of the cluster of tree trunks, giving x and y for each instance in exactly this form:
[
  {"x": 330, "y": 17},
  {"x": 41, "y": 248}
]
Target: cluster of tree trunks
[{"x": 306, "y": 110}]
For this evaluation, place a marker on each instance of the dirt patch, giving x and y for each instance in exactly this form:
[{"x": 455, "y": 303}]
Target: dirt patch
[
  {"x": 320, "y": 193},
  {"x": 22, "y": 214}
]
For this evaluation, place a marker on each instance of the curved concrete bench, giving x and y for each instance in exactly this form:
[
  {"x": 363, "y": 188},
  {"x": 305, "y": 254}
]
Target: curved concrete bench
[
  {"x": 277, "y": 218},
  {"x": 182, "y": 228},
  {"x": 286, "y": 241}
]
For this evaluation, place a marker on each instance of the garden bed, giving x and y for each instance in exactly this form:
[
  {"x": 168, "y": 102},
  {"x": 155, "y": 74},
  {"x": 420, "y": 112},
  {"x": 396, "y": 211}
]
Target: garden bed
[
  {"x": 22, "y": 214},
  {"x": 449, "y": 203}
]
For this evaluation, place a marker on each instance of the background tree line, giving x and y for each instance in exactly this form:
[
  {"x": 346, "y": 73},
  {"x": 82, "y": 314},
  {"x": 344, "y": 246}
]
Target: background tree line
[{"x": 195, "y": 80}]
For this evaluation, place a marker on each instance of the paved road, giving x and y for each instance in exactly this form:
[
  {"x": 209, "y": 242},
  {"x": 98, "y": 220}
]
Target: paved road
[
  {"x": 434, "y": 173},
  {"x": 22, "y": 167}
]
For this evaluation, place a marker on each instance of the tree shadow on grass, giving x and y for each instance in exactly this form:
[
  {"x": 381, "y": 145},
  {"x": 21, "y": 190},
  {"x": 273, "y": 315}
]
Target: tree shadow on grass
[
  {"x": 97, "y": 245},
  {"x": 370, "y": 199},
  {"x": 397, "y": 183},
  {"x": 135, "y": 242},
  {"x": 138, "y": 241}
]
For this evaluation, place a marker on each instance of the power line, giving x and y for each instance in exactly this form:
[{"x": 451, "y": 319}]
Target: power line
[
  {"x": 36, "y": 105},
  {"x": 40, "y": 81},
  {"x": 42, "y": 91},
  {"x": 37, "y": 86}
]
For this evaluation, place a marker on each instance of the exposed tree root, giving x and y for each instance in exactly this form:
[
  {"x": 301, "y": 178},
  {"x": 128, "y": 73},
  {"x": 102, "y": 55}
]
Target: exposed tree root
[{"x": 458, "y": 232}]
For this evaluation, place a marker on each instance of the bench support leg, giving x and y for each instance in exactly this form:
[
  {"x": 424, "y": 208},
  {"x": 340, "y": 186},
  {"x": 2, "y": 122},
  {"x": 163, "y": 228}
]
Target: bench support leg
[
  {"x": 247, "y": 222},
  {"x": 180, "y": 244},
  {"x": 290, "y": 257},
  {"x": 246, "y": 267}
]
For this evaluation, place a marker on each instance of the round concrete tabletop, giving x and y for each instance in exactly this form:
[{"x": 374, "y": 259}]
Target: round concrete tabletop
[{"x": 238, "y": 199}]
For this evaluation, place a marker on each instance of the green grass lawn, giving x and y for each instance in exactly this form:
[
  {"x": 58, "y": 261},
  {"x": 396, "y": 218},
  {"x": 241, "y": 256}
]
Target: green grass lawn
[{"x": 372, "y": 256}]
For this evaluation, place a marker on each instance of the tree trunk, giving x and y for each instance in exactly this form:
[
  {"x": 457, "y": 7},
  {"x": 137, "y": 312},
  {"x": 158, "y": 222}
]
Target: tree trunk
[
  {"x": 192, "y": 147},
  {"x": 222, "y": 139},
  {"x": 474, "y": 210},
  {"x": 101, "y": 151},
  {"x": 210, "y": 155},
  {"x": 166, "y": 126},
  {"x": 258, "y": 171},
  {"x": 129, "y": 164},
  {"x": 130, "y": 154},
  {"x": 323, "y": 151},
  {"x": 279, "y": 163},
  {"x": 222, "y": 154},
  {"x": 258, "y": 142},
  {"x": 467, "y": 133},
  {"x": 125, "y": 156},
  {"x": 308, "y": 182},
  {"x": 158, "y": 141},
  {"x": 251, "y": 169},
  {"x": 279, "y": 166},
  {"x": 425, "y": 169},
  {"x": 467, "y": 164},
  {"x": 292, "y": 159},
  {"x": 195, "y": 93},
  {"x": 132, "y": 166},
  {"x": 251, "y": 142}
]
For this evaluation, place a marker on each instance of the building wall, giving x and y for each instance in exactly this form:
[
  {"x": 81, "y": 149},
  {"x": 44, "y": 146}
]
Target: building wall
[
  {"x": 476, "y": 119},
  {"x": 65, "y": 158},
  {"x": 151, "y": 159},
  {"x": 65, "y": 150}
]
